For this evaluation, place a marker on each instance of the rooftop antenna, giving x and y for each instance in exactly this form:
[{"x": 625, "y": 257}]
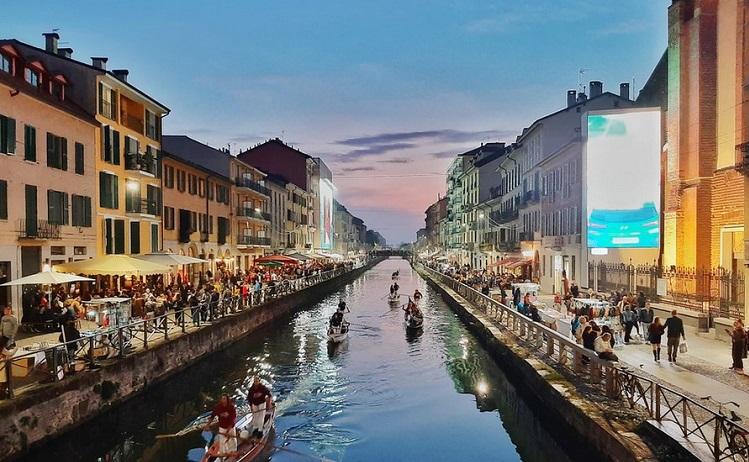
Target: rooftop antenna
[{"x": 580, "y": 85}]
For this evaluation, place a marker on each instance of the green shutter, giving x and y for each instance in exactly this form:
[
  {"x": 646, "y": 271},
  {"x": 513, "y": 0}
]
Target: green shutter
[
  {"x": 11, "y": 142},
  {"x": 135, "y": 237},
  {"x": 79, "y": 159},
  {"x": 3, "y": 200},
  {"x": 108, "y": 236},
  {"x": 103, "y": 190},
  {"x": 87, "y": 212},
  {"x": 50, "y": 150},
  {"x": 119, "y": 236},
  {"x": 101, "y": 98},
  {"x": 29, "y": 143},
  {"x": 115, "y": 147},
  {"x": 115, "y": 193},
  {"x": 65, "y": 209},
  {"x": 52, "y": 207},
  {"x": 64, "y": 153}
]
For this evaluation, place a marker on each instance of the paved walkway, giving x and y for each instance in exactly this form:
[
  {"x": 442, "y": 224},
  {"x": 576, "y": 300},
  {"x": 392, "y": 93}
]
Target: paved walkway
[{"x": 702, "y": 371}]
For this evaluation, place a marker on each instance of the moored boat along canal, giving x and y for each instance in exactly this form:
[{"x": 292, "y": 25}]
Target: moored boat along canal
[{"x": 385, "y": 394}]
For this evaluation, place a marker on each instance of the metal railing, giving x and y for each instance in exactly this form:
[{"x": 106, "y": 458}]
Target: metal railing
[
  {"x": 253, "y": 240},
  {"x": 143, "y": 206},
  {"x": 253, "y": 185},
  {"x": 142, "y": 162},
  {"x": 117, "y": 342},
  {"x": 722, "y": 437},
  {"x": 37, "y": 229},
  {"x": 249, "y": 212}
]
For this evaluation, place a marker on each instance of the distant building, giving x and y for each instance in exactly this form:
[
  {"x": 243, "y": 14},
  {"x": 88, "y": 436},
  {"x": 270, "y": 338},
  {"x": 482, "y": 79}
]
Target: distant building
[
  {"x": 375, "y": 239},
  {"x": 434, "y": 214}
]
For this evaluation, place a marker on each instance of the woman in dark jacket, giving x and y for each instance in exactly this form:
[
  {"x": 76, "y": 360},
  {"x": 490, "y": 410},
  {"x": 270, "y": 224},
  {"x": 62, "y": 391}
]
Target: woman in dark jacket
[
  {"x": 655, "y": 331},
  {"x": 738, "y": 345}
]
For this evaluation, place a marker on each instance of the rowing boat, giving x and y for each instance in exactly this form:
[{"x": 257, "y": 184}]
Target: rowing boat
[
  {"x": 337, "y": 334},
  {"x": 414, "y": 322},
  {"x": 394, "y": 299},
  {"x": 248, "y": 449}
]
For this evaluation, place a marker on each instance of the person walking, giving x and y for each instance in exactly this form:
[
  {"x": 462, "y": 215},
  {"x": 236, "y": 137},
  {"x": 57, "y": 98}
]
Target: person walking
[
  {"x": 674, "y": 331},
  {"x": 655, "y": 332},
  {"x": 629, "y": 318},
  {"x": 738, "y": 345},
  {"x": 645, "y": 315}
]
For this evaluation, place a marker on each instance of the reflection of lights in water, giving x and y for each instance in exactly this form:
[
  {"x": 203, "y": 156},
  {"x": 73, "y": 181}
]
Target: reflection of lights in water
[{"x": 482, "y": 388}]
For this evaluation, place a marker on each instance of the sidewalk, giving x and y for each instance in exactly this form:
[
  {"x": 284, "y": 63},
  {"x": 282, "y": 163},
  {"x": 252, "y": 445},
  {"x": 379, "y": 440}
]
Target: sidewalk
[{"x": 702, "y": 371}]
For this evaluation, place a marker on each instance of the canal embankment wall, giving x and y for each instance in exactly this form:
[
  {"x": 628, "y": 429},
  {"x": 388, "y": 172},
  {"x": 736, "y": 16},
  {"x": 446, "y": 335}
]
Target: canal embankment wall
[
  {"x": 601, "y": 431},
  {"x": 57, "y": 408}
]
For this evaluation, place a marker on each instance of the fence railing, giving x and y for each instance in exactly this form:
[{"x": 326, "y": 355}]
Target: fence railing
[
  {"x": 723, "y": 438},
  {"x": 716, "y": 292},
  {"x": 118, "y": 341}
]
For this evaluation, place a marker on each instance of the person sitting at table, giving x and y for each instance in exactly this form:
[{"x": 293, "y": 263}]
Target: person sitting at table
[{"x": 604, "y": 348}]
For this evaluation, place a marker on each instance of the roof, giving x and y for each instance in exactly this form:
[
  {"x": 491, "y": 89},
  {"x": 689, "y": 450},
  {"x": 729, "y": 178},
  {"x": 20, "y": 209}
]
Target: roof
[
  {"x": 280, "y": 143},
  {"x": 209, "y": 158},
  {"x": 537, "y": 122},
  {"x": 179, "y": 158},
  {"x": 67, "y": 105},
  {"x": 88, "y": 67}
]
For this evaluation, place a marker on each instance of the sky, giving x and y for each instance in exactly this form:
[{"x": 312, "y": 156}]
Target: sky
[{"x": 386, "y": 92}]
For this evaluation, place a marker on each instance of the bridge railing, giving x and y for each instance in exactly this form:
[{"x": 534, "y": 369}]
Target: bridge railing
[
  {"x": 715, "y": 433},
  {"x": 116, "y": 342}
]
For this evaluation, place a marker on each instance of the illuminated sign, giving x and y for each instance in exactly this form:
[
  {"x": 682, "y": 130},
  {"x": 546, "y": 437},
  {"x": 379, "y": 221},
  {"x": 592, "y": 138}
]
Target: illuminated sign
[
  {"x": 326, "y": 214},
  {"x": 622, "y": 179}
]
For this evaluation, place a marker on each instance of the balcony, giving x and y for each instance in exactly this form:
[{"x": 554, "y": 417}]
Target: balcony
[
  {"x": 142, "y": 206},
  {"x": 254, "y": 241},
  {"x": 37, "y": 229},
  {"x": 530, "y": 198},
  {"x": 242, "y": 182},
  {"x": 132, "y": 122},
  {"x": 250, "y": 213},
  {"x": 505, "y": 217},
  {"x": 145, "y": 163}
]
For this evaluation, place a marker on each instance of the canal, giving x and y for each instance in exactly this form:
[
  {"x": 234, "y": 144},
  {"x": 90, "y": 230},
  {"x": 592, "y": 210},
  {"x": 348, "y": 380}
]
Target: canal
[{"x": 384, "y": 395}]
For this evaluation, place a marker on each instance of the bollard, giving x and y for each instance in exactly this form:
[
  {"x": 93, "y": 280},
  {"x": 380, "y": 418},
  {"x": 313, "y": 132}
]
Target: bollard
[{"x": 121, "y": 342}]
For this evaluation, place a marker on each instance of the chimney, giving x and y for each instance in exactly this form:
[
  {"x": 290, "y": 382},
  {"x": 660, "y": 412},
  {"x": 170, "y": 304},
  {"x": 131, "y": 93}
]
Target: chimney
[
  {"x": 121, "y": 74},
  {"x": 65, "y": 52},
  {"x": 581, "y": 97},
  {"x": 50, "y": 41},
  {"x": 571, "y": 97},
  {"x": 624, "y": 90},
  {"x": 99, "y": 62},
  {"x": 596, "y": 88}
]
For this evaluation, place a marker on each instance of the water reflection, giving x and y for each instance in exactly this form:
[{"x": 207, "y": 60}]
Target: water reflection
[{"x": 385, "y": 394}]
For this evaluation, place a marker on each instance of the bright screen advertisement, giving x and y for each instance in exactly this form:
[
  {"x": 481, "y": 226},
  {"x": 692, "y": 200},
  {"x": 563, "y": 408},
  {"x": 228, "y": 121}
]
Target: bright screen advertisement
[
  {"x": 623, "y": 179},
  {"x": 326, "y": 215}
]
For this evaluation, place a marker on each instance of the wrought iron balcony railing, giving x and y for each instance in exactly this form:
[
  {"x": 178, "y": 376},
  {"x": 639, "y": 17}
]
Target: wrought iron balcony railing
[
  {"x": 37, "y": 229},
  {"x": 253, "y": 240},
  {"x": 242, "y": 182},
  {"x": 247, "y": 212}
]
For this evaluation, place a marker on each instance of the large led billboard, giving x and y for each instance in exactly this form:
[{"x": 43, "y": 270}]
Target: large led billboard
[
  {"x": 622, "y": 179},
  {"x": 326, "y": 214}
]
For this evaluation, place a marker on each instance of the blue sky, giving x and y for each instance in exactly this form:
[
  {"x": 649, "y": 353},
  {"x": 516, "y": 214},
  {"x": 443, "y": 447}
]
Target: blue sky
[{"x": 386, "y": 92}]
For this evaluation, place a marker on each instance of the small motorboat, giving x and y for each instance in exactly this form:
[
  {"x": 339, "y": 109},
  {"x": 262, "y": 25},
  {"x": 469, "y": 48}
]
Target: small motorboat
[
  {"x": 248, "y": 448},
  {"x": 414, "y": 322},
  {"x": 337, "y": 334}
]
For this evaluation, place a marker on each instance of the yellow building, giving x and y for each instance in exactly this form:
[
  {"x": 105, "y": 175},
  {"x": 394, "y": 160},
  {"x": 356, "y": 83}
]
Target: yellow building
[{"x": 251, "y": 220}]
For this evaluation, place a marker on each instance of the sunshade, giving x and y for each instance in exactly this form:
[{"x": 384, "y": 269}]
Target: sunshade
[
  {"x": 46, "y": 278},
  {"x": 113, "y": 265},
  {"x": 299, "y": 256},
  {"x": 277, "y": 258},
  {"x": 270, "y": 264},
  {"x": 170, "y": 259}
]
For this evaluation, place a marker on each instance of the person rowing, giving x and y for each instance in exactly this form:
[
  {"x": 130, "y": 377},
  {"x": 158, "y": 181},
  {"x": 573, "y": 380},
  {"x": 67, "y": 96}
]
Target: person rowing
[
  {"x": 412, "y": 310},
  {"x": 396, "y": 274},
  {"x": 417, "y": 296},
  {"x": 261, "y": 401},
  {"x": 225, "y": 443},
  {"x": 394, "y": 289}
]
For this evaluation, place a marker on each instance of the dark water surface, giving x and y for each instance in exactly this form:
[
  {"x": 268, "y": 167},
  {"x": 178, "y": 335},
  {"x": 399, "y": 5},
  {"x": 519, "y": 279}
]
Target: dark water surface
[{"x": 384, "y": 395}]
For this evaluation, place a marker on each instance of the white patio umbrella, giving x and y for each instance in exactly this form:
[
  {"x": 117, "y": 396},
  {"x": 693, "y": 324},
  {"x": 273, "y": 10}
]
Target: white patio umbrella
[
  {"x": 170, "y": 259},
  {"x": 46, "y": 278}
]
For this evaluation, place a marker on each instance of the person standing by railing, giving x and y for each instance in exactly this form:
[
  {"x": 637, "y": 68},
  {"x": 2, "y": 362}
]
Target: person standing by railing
[
  {"x": 675, "y": 330},
  {"x": 738, "y": 345}
]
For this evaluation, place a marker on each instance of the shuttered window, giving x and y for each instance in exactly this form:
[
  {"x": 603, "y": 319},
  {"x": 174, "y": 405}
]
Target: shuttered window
[
  {"x": 3, "y": 200},
  {"x": 119, "y": 236},
  {"x": 80, "y": 168},
  {"x": 110, "y": 145},
  {"x": 57, "y": 151},
  {"x": 135, "y": 237},
  {"x": 168, "y": 217},
  {"x": 29, "y": 143},
  {"x": 7, "y": 135},
  {"x": 57, "y": 207},
  {"x": 108, "y": 191},
  {"x": 81, "y": 211}
]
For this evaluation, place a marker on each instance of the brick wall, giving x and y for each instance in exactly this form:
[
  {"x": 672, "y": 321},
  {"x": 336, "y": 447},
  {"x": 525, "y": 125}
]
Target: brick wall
[{"x": 728, "y": 206}]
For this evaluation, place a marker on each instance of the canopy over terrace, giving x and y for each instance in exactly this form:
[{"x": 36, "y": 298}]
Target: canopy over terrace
[
  {"x": 46, "y": 278},
  {"x": 113, "y": 265},
  {"x": 170, "y": 259},
  {"x": 284, "y": 259}
]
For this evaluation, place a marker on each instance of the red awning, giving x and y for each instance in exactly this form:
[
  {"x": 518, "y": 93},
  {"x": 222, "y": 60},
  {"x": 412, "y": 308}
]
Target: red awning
[
  {"x": 519, "y": 263},
  {"x": 278, "y": 259},
  {"x": 506, "y": 261}
]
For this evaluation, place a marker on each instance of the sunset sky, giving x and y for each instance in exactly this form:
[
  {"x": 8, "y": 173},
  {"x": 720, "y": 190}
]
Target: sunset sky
[{"x": 385, "y": 92}]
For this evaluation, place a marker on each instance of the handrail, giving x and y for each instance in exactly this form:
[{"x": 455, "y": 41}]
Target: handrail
[
  {"x": 722, "y": 437},
  {"x": 119, "y": 341}
]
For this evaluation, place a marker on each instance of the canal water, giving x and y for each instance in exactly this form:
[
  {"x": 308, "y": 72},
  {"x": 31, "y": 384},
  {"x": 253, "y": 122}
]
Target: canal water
[{"x": 383, "y": 395}]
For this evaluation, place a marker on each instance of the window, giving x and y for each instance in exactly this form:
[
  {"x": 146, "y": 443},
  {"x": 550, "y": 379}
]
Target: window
[
  {"x": 193, "y": 222},
  {"x": 79, "y": 250},
  {"x": 57, "y": 151},
  {"x": 108, "y": 191},
  {"x": 181, "y": 180},
  {"x": 107, "y": 102},
  {"x": 32, "y": 77},
  {"x": 152, "y": 125},
  {"x": 5, "y": 65},
  {"x": 134, "y": 237},
  {"x": 132, "y": 147},
  {"x": 79, "y": 162},
  {"x": 153, "y": 197},
  {"x": 132, "y": 197},
  {"x": 201, "y": 187},
  {"x": 169, "y": 176},
  {"x": 111, "y": 149},
  {"x": 81, "y": 211},
  {"x": 3, "y": 200},
  {"x": 57, "y": 207},
  {"x": 155, "y": 247},
  {"x": 57, "y": 250},
  {"x": 168, "y": 217},
  {"x": 192, "y": 184},
  {"x": 209, "y": 190},
  {"x": 7, "y": 135},
  {"x": 29, "y": 143}
]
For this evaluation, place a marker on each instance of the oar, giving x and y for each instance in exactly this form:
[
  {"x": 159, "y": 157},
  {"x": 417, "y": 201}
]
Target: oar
[{"x": 303, "y": 454}]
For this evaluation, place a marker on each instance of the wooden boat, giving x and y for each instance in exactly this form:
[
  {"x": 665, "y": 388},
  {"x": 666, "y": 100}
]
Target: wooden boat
[
  {"x": 247, "y": 449},
  {"x": 414, "y": 322},
  {"x": 394, "y": 299},
  {"x": 338, "y": 334}
]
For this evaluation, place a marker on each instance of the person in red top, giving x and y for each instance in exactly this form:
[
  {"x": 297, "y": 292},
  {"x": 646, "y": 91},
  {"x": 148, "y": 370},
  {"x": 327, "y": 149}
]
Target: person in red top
[
  {"x": 260, "y": 401},
  {"x": 225, "y": 444}
]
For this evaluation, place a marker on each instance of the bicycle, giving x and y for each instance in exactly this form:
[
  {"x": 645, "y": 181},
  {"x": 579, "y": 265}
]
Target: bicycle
[{"x": 736, "y": 437}]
